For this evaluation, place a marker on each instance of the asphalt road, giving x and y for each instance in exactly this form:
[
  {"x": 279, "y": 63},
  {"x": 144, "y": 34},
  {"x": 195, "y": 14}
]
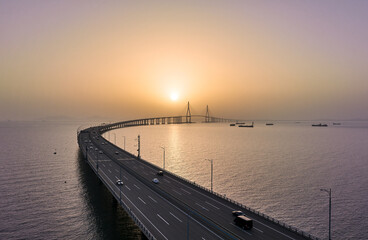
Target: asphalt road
[{"x": 173, "y": 208}]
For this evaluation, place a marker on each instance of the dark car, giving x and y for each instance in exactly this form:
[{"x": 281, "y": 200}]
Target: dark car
[
  {"x": 160, "y": 173},
  {"x": 243, "y": 222},
  {"x": 238, "y": 213}
]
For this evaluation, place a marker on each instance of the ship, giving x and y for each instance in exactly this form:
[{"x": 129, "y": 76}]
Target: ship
[
  {"x": 319, "y": 125},
  {"x": 249, "y": 126}
]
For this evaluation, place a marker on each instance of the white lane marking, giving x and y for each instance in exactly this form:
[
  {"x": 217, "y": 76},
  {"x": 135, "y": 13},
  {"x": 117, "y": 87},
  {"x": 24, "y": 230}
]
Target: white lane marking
[
  {"x": 116, "y": 170},
  {"x": 212, "y": 205},
  {"x": 135, "y": 207},
  {"x": 275, "y": 230},
  {"x": 240, "y": 228},
  {"x": 258, "y": 229},
  {"x": 185, "y": 190},
  {"x": 110, "y": 164},
  {"x": 125, "y": 177},
  {"x": 141, "y": 200},
  {"x": 136, "y": 186},
  {"x": 109, "y": 170},
  {"x": 127, "y": 187},
  {"x": 174, "y": 207},
  {"x": 116, "y": 178},
  {"x": 175, "y": 217},
  {"x": 163, "y": 219},
  {"x": 203, "y": 238},
  {"x": 202, "y": 207},
  {"x": 103, "y": 165},
  {"x": 152, "y": 199},
  {"x": 177, "y": 192},
  {"x": 166, "y": 180}
]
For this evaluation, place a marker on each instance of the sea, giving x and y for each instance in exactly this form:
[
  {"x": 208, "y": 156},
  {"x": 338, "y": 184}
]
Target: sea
[{"x": 47, "y": 191}]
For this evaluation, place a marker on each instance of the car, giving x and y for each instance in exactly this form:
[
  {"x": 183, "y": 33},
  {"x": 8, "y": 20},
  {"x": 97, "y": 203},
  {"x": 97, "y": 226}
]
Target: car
[
  {"x": 96, "y": 149},
  {"x": 155, "y": 180},
  {"x": 91, "y": 147},
  {"x": 103, "y": 143},
  {"x": 243, "y": 222},
  {"x": 116, "y": 152},
  {"x": 119, "y": 182},
  {"x": 160, "y": 173},
  {"x": 238, "y": 213},
  {"x": 100, "y": 152}
]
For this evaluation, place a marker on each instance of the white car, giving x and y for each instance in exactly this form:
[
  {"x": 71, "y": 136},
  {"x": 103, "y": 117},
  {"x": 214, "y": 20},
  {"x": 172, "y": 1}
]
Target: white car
[
  {"x": 119, "y": 182},
  {"x": 155, "y": 180},
  {"x": 100, "y": 152}
]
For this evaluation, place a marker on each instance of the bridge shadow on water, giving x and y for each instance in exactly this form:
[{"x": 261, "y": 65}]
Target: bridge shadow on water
[{"x": 106, "y": 217}]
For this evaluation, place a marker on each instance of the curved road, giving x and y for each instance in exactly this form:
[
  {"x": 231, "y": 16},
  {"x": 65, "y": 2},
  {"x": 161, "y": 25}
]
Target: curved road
[{"x": 173, "y": 208}]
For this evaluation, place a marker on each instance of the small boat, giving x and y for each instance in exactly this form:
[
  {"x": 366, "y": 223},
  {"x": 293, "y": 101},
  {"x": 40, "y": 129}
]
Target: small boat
[
  {"x": 248, "y": 126},
  {"x": 319, "y": 125},
  {"x": 269, "y": 124},
  {"x": 240, "y": 123},
  {"x": 232, "y": 124},
  {"x": 336, "y": 123}
]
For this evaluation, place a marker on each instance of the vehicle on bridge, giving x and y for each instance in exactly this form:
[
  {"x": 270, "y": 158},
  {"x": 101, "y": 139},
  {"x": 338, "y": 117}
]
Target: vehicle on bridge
[
  {"x": 155, "y": 180},
  {"x": 244, "y": 222},
  {"x": 160, "y": 173},
  {"x": 237, "y": 213},
  {"x": 119, "y": 182}
]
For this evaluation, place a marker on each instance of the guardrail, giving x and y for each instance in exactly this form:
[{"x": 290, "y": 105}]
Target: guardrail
[
  {"x": 287, "y": 226},
  {"x": 127, "y": 209}
]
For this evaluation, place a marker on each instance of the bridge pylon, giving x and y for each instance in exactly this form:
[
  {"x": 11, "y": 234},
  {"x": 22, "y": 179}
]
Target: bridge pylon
[
  {"x": 207, "y": 119},
  {"x": 188, "y": 117}
]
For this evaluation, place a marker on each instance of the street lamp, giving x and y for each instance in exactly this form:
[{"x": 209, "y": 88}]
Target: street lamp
[
  {"x": 329, "y": 212},
  {"x": 211, "y": 160},
  {"x": 114, "y": 138},
  {"x": 124, "y": 142},
  {"x": 163, "y": 158}
]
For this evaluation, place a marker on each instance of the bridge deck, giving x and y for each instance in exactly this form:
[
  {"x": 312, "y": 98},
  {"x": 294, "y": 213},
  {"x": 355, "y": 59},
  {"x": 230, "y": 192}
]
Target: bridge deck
[{"x": 173, "y": 208}]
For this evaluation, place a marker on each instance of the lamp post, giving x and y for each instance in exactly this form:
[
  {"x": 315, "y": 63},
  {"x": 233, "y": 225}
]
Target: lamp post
[
  {"x": 329, "y": 212},
  {"x": 124, "y": 142},
  {"x": 120, "y": 186},
  {"x": 163, "y": 157},
  {"x": 211, "y": 160},
  {"x": 114, "y": 138}
]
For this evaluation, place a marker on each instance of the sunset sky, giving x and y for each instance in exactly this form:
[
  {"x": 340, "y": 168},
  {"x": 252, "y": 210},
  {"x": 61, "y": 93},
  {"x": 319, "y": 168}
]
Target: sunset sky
[{"x": 128, "y": 59}]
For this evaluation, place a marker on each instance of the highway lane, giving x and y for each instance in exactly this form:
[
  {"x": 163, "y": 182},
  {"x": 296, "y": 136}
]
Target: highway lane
[
  {"x": 209, "y": 210},
  {"x": 218, "y": 210},
  {"x": 166, "y": 220}
]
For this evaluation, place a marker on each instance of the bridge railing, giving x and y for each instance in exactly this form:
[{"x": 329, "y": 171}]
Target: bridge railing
[
  {"x": 291, "y": 228},
  {"x": 127, "y": 209},
  {"x": 108, "y": 127}
]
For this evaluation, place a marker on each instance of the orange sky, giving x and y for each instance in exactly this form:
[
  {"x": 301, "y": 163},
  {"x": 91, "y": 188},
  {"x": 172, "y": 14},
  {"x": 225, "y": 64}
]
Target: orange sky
[{"x": 123, "y": 60}]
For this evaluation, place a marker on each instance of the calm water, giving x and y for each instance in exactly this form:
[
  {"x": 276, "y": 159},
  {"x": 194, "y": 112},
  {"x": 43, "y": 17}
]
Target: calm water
[
  {"x": 277, "y": 170},
  {"x": 47, "y": 196}
]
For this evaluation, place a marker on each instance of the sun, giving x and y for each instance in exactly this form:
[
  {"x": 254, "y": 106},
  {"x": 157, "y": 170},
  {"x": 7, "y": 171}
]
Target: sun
[{"x": 174, "y": 96}]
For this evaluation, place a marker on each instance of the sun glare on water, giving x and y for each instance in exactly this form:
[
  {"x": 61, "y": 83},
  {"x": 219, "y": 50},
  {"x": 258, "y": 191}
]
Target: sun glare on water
[{"x": 174, "y": 96}]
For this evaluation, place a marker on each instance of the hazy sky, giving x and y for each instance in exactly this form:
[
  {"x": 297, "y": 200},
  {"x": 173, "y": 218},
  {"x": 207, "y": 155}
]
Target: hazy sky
[{"x": 125, "y": 59}]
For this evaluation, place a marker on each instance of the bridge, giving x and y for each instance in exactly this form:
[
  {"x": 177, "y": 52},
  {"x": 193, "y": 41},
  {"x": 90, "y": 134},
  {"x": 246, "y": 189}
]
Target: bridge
[{"x": 174, "y": 208}]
